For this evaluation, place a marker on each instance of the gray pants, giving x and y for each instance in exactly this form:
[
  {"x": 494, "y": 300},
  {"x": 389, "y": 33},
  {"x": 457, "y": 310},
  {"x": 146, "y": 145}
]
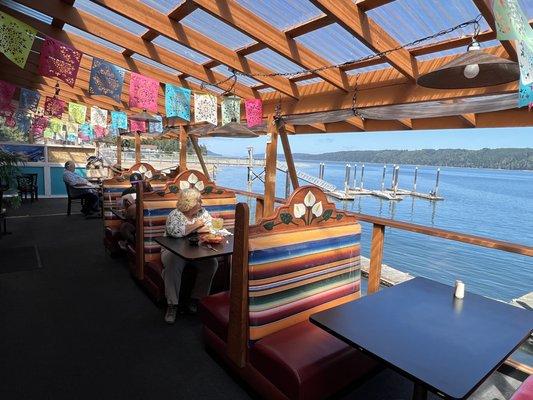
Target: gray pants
[{"x": 174, "y": 265}]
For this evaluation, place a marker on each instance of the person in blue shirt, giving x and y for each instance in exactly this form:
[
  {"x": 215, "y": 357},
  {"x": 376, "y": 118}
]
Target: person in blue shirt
[{"x": 79, "y": 186}]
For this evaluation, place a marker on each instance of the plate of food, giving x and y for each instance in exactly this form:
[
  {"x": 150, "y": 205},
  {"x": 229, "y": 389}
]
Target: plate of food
[{"x": 211, "y": 238}]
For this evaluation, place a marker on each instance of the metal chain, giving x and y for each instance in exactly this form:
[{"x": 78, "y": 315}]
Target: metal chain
[{"x": 443, "y": 32}]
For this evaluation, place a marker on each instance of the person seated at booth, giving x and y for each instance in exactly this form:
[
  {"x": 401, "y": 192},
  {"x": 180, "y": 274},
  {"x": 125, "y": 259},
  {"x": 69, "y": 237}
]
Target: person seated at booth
[
  {"x": 127, "y": 228},
  {"x": 81, "y": 187},
  {"x": 188, "y": 217}
]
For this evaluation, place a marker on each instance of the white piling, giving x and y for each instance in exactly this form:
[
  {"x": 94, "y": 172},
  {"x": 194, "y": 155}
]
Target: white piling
[
  {"x": 383, "y": 177},
  {"x": 396, "y": 178},
  {"x": 436, "y": 192},
  {"x": 362, "y": 176},
  {"x": 415, "y": 179},
  {"x": 355, "y": 176},
  {"x": 347, "y": 178}
]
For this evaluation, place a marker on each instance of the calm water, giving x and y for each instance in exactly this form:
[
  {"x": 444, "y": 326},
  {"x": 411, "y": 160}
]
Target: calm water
[{"x": 492, "y": 203}]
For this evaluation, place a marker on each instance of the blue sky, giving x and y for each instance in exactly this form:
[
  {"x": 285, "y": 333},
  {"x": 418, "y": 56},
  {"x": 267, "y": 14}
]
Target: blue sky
[{"x": 401, "y": 140}]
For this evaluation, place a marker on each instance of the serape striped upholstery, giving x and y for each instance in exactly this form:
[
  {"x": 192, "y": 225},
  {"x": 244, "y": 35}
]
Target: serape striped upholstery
[
  {"x": 302, "y": 260},
  {"x": 220, "y": 203}
]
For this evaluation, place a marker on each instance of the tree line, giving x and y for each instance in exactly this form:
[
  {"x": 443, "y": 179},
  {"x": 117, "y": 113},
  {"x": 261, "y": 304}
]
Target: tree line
[{"x": 505, "y": 158}]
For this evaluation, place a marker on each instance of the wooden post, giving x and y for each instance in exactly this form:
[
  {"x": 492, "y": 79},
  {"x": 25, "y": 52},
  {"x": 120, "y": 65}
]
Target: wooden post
[
  {"x": 137, "y": 147},
  {"x": 198, "y": 151},
  {"x": 270, "y": 167},
  {"x": 238, "y": 307},
  {"x": 139, "y": 233},
  {"x": 183, "y": 148},
  {"x": 376, "y": 258},
  {"x": 259, "y": 207},
  {"x": 119, "y": 151},
  {"x": 288, "y": 158}
]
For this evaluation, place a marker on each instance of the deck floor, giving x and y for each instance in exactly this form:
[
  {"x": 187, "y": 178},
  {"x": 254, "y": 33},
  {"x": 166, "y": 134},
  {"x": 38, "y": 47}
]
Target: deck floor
[{"x": 80, "y": 327}]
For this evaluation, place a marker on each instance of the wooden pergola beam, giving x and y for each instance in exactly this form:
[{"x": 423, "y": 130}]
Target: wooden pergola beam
[
  {"x": 96, "y": 26},
  {"x": 485, "y": 8},
  {"x": 250, "y": 24},
  {"x": 355, "y": 21},
  {"x": 366, "y": 5},
  {"x": 309, "y": 26},
  {"x": 379, "y": 88},
  {"x": 470, "y": 119},
  {"x": 181, "y": 11},
  {"x": 162, "y": 24}
]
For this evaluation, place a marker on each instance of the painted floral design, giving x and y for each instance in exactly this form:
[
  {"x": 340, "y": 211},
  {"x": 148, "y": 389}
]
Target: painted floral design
[
  {"x": 192, "y": 182},
  {"x": 309, "y": 210}
]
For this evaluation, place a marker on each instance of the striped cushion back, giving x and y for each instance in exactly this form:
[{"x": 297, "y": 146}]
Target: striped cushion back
[
  {"x": 303, "y": 259},
  {"x": 220, "y": 203},
  {"x": 112, "y": 190}
]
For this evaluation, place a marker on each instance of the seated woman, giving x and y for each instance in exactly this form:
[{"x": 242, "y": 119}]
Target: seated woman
[
  {"x": 188, "y": 217},
  {"x": 127, "y": 228}
]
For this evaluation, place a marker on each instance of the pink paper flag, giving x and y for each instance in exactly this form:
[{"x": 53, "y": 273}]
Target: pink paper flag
[
  {"x": 38, "y": 126},
  {"x": 7, "y": 90},
  {"x": 137, "y": 126},
  {"x": 254, "y": 112},
  {"x": 54, "y": 106},
  {"x": 143, "y": 92},
  {"x": 58, "y": 60},
  {"x": 99, "y": 131}
]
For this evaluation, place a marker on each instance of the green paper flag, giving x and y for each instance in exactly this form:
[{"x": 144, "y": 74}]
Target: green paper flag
[
  {"x": 77, "y": 113},
  {"x": 16, "y": 39},
  {"x": 511, "y": 23}
]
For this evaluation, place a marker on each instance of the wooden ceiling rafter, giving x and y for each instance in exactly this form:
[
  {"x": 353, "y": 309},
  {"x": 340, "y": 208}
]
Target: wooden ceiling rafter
[
  {"x": 356, "y": 22},
  {"x": 485, "y": 8},
  {"x": 163, "y": 25},
  {"x": 98, "y": 27},
  {"x": 93, "y": 49},
  {"x": 261, "y": 31}
]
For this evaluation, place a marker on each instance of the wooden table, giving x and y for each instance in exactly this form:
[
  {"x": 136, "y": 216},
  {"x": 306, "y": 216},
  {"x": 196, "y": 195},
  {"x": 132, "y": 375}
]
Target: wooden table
[
  {"x": 182, "y": 248},
  {"x": 420, "y": 329}
]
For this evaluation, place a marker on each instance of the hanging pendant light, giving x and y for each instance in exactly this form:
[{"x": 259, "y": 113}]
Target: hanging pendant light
[
  {"x": 144, "y": 116},
  {"x": 475, "y": 68}
]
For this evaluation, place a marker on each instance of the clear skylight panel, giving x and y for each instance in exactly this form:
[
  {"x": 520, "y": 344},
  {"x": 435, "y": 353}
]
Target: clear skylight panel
[
  {"x": 208, "y": 87},
  {"x": 282, "y": 14},
  {"x": 334, "y": 44},
  {"x": 216, "y": 30},
  {"x": 368, "y": 69},
  {"x": 164, "y": 6},
  {"x": 110, "y": 17},
  {"x": 309, "y": 81},
  {"x": 409, "y": 20},
  {"x": 222, "y": 69},
  {"x": 27, "y": 11},
  {"x": 273, "y": 61},
  {"x": 155, "y": 64},
  {"x": 180, "y": 49},
  {"x": 93, "y": 38}
]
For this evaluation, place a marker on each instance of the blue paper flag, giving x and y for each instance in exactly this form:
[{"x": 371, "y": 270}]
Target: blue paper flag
[
  {"x": 156, "y": 127},
  {"x": 106, "y": 79},
  {"x": 86, "y": 132},
  {"x": 177, "y": 102},
  {"x": 525, "y": 95},
  {"x": 29, "y": 99},
  {"x": 119, "y": 120},
  {"x": 22, "y": 120}
]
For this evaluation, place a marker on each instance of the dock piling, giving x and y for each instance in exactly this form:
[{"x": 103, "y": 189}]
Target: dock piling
[
  {"x": 415, "y": 179},
  {"x": 362, "y": 176},
  {"x": 383, "y": 177},
  {"x": 355, "y": 176},
  {"x": 347, "y": 178},
  {"x": 436, "y": 191}
]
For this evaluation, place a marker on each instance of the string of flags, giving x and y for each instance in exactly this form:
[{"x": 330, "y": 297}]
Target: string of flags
[
  {"x": 512, "y": 24},
  {"x": 73, "y": 122}
]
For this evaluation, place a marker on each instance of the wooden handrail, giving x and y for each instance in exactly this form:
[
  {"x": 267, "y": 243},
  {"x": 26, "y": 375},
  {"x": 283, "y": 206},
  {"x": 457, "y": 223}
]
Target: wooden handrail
[{"x": 425, "y": 230}]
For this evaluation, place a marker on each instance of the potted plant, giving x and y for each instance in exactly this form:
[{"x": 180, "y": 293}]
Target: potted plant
[{"x": 9, "y": 167}]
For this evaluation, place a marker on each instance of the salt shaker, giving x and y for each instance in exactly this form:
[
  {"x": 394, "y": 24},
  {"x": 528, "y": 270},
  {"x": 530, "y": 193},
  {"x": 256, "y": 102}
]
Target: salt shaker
[{"x": 459, "y": 289}]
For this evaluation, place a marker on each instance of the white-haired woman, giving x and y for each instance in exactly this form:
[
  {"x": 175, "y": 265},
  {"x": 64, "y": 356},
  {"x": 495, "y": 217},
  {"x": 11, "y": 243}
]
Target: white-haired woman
[{"x": 188, "y": 217}]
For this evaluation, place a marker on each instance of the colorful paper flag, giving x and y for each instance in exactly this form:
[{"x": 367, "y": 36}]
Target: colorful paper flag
[
  {"x": 55, "y": 125},
  {"x": 99, "y": 131},
  {"x": 156, "y": 127},
  {"x": 230, "y": 109},
  {"x": 511, "y": 23},
  {"x": 57, "y": 60},
  {"x": 16, "y": 39},
  {"x": 77, "y": 113},
  {"x": 137, "y": 126},
  {"x": 106, "y": 79},
  {"x": 7, "y": 90},
  {"x": 86, "y": 133},
  {"x": 38, "y": 127},
  {"x": 54, "y": 106},
  {"x": 29, "y": 99},
  {"x": 72, "y": 131},
  {"x": 23, "y": 120},
  {"x": 254, "y": 112},
  {"x": 525, "y": 95},
  {"x": 98, "y": 117},
  {"x": 205, "y": 108},
  {"x": 143, "y": 92},
  {"x": 525, "y": 61},
  {"x": 119, "y": 120},
  {"x": 177, "y": 102},
  {"x": 48, "y": 133}
]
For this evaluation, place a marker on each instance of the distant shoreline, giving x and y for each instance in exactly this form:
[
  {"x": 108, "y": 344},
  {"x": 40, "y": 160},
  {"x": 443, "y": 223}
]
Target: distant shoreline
[{"x": 498, "y": 159}]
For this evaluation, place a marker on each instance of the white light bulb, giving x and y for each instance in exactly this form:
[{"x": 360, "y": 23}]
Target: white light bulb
[{"x": 471, "y": 71}]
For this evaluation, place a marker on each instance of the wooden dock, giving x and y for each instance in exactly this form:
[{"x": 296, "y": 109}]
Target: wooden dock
[{"x": 389, "y": 276}]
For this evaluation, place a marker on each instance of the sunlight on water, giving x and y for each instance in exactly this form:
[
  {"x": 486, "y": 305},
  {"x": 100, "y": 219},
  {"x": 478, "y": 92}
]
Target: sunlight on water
[{"x": 492, "y": 203}]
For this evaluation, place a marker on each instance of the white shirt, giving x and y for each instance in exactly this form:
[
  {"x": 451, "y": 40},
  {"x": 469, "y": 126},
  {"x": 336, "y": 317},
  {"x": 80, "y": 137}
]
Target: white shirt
[{"x": 177, "y": 222}]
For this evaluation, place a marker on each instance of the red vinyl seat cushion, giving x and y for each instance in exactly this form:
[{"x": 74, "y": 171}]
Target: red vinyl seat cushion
[
  {"x": 305, "y": 362},
  {"x": 525, "y": 391},
  {"x": 214, "y": 313}
]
